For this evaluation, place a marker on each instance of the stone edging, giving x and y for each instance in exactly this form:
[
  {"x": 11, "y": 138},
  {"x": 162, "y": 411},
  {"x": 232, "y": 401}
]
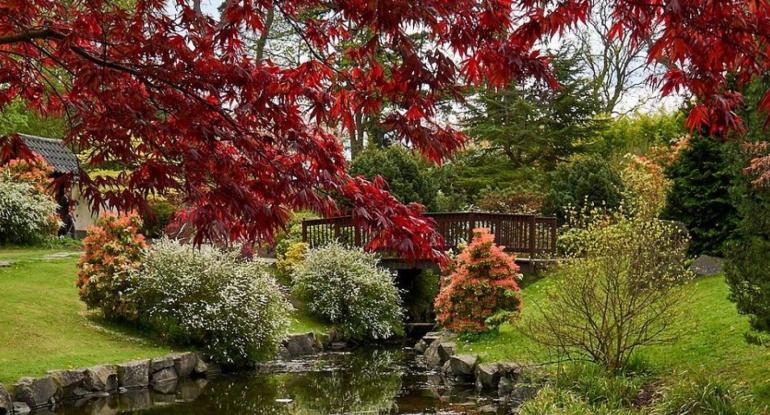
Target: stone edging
[
  {"x": 510, "y": 380},
  {"x": 59, "y": 386},
  {"x": 159, "y": 374}
]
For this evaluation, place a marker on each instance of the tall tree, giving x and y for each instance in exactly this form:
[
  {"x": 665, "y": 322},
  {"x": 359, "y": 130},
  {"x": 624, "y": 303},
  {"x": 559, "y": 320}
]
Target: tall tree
[{"x": 534, "y": 124}]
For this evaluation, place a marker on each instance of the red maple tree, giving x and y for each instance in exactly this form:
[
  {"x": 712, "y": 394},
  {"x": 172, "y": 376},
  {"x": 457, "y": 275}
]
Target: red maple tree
[{"x": 175, "y": 97}]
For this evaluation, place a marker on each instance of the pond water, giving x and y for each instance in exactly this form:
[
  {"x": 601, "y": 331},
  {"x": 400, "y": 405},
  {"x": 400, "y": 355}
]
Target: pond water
[{"x": 369, "y": 381}]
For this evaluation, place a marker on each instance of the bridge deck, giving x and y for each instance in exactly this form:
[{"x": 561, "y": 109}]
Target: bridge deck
[{"x": 529, "y": 236}]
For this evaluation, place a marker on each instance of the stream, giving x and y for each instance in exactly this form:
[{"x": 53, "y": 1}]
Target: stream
[{"x": 364, "y": 381}]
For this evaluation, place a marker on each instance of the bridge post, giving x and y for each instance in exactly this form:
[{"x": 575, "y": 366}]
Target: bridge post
[
  {"x": 471, "y": 226},
  {"x": 532, "y": 236}
]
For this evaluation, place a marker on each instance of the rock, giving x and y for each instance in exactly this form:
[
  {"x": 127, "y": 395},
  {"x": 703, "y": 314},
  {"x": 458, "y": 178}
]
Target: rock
[
  {"x": 184, "y": 363},
  {"x": 158, "y": 364},
  {"x": 336, "y": 346},
  {"x": 201, "y": 367},
  {"x": 504, "y": 387},
  {"x": 71, "y": 383},
  {"x": 300, "y": 344},
  {"x": 488, "y": 409},
  {"x": 101, "y": 378},
  {"x": 446, "y": 350},
  {"x": 512, "y": 371},
  {"x": 521, "y": 393},
  {"x": 706, "y": 266},
  {"x": 6, "y": 404},
  {"x": 5, "y": 264},
  {"x": 37, "y": 393},
  {"x": 421, "y": 346},
  {"x": 432, "y": 356},
  {"x": 430, "y": 337},
  {"x": 134, "y": 374},
  {"x": 488, "y": 375},
  {"x": 463, "y": 364},
  {"x": 166, "y": 387},
  {"x": 165, "y": 375},
  {"x": 21, "y": 408}
]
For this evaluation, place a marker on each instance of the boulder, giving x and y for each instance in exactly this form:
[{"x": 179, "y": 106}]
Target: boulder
[
  {"x": 488, "y": 375},
  {"x": 432, "y": 356},
  {"x": 421, "y": 346},
  {"x": 201, "y": 367},
  {"x": 37, "y": 393},
  {"x": 446, "y": 350},
  {"x": 463, "y": 365},
  {"x": 21, "y": 408},
  {"x": 706, "y": 266},
  {"x": 184, "y": 364},
  {"x": 166, "y": 387},
  {"x": 134, "y": 374},
  {"x": 71, "y": 383},
  {"x": 337, "y": 346},
  {"x": 165, "y": 375},
  {"x": 521, "y": 393},
  {"x": 512, "y": 371},
  {"x": 430, "y": 337},
  {"x": 504, "y": 387},
  {"x": 101, "y": 378},
  {"x": 6, "y": 404},
  {"x": 300, "y": 344},
  {"x": 158, "y": 364}
]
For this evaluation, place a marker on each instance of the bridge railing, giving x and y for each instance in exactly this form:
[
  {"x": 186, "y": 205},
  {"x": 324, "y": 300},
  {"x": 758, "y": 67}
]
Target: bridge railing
[{"x": 531, "y": 235}]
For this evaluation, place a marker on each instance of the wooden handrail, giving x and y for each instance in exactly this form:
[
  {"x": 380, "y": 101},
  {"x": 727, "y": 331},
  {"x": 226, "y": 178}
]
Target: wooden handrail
[{"x": 524, "y": 234}]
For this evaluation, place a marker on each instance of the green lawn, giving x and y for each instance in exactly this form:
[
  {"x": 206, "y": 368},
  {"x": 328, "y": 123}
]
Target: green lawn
[
  {"x": 710, "y": 340},
  {"x": 44, "y": 326}
]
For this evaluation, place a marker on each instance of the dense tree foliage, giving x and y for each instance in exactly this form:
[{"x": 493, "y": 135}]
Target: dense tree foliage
[
  {"x": 584, "y": 183},
  {"x": 175, "y": 96},
  {"x": 410, "y": 179},
  {"x": 702, "y": 177},
  {"x": 533, "y": 124}
]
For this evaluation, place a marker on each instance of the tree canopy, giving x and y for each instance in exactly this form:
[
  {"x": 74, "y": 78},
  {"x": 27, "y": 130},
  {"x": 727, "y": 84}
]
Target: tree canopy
[{"x": 176, "y": 97}]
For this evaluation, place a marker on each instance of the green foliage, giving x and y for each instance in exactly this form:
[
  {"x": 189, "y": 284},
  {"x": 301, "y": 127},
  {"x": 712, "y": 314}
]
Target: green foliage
[
  {"x": 16, "y": 118},
  {"x": 637, "y": 133},
  {"x": 533, "y": 124},
  {"x": 26, "y": 214},
  {"x": 419, "y": 297},
  {"x": 345, "y": 287},
  {"x": 583, "y": 182},
  {"x": 230, "y": 308},
  {"x": 293, "y": 256},
  {"x": 162, "y": 211},
  {"x": 619, "y": 291},
  {"x": 292, "y": 234},
  {"x": 705, "y": 396},
  {"x": 699, "y": 196},
  {"x": 409, "y": 177},
  {"x": 748, "y": 273}
]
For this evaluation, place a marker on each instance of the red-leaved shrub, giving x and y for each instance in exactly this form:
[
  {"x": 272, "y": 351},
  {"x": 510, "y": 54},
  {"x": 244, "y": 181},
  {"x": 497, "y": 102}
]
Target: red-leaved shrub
[
  {"x": 480, "y": 291},
  {"x": 113, "y": 247}
]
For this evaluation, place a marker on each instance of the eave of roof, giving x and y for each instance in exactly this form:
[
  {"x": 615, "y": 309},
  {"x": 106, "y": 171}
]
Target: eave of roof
[{"x": 55, "y": 153}]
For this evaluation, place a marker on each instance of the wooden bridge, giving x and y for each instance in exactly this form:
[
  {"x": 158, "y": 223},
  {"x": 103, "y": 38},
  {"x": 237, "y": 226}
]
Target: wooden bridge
[{"x": 532, "y": 238}]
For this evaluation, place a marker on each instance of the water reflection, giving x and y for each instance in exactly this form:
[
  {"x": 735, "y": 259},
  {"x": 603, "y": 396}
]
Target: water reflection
[{"x": 365, "y": 381}]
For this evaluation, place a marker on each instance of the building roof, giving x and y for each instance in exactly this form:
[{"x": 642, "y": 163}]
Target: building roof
[{"x": 55, "y": 153}]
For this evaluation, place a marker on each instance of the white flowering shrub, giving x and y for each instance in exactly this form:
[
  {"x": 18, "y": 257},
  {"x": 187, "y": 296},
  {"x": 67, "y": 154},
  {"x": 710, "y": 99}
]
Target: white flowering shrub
[
  {"x": 230, "y": 308},
  {"x": 345, "y": 287},
  {"x": 26, "y": 215}
]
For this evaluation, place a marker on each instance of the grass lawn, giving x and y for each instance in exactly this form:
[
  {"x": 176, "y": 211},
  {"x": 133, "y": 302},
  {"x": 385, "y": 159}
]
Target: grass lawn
[
  {"x": 45, "y": 326},
  {"x": 710, "y": 340}
]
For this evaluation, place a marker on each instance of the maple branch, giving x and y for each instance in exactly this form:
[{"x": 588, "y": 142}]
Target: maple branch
[{"x": 30, "y": 36}]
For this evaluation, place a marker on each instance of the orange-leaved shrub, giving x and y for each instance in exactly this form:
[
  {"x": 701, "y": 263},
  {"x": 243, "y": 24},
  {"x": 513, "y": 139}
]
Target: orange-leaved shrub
[
  {"x": 112, "y": 247},
  {"x": 36, "y": 172},
  {"x": 481, "y": 290}
]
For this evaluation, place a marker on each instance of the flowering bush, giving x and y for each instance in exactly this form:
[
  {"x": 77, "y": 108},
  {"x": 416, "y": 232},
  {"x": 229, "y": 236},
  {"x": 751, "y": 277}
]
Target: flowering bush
[
  {"x": 293, "y": 256},
  {"x": 481, "y": 290},
  {"x": 645, "y": 186},
  {"x": 346, "y": 288},
  {"x": 26, "y": 215},
  {"x": 35, "y": 172},
  {"x": 229, "y": 307},
  {"x": 112, "y": 248}
]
